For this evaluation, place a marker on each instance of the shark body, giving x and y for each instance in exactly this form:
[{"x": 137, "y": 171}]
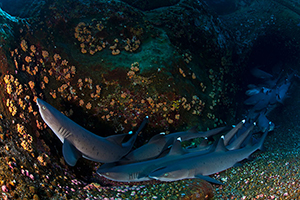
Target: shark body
[
  {"x": 79, "y": 142},
  {"x": 161, "y": 142},
  {"x": 202, "y": 166},
  {"x": 135, "y": 172}
]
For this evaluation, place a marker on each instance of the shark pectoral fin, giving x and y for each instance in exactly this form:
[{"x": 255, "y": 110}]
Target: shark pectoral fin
[
  {"x": 208, "y": 179},
  {"x": 70, "y": 153}
]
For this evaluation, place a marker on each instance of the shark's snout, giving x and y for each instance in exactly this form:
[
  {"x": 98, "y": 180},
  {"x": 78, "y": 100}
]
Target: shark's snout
[{"x": 38, "y": 102}]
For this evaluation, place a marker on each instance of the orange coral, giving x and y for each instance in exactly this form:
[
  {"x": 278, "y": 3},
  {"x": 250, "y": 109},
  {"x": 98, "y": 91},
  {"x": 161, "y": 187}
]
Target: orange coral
[
  {"x": 28, "y": 59},
  {"x": 45, "y": 54},
  {"x": 132, "y": 45},
  {"x": 81, "y": 102},
  {"x": 46, "y": 80},
  {"x": 31, "y": 84},
  {"x": 83, "y": 51},
  {"x": 56, "y": 57},
  {"x": 24, "y": 46},
  {"x": 194, "y": 76},
  {"x": 130, "y": 74},
  {"x": 88, "y": 106},
  {"x": 73, "y": 70},
  {"x": 53, "y": 94},
  {"x": 115, "y": 52},
  {"x": 64, "y": 62},
  {"x": 33, "y": 49}
]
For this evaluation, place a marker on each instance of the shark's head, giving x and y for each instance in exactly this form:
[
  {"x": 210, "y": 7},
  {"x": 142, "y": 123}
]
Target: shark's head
[
  {"x": 167, "y": 174},
  {"x": 51, "y": 116},
  {"x": 112, "y": 174}
]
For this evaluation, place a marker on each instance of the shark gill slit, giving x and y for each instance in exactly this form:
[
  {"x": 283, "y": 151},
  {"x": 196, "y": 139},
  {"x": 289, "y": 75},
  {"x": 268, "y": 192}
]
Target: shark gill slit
[
  {"x": 64, "y": 132},
  {"x": 133, "y": 175}
]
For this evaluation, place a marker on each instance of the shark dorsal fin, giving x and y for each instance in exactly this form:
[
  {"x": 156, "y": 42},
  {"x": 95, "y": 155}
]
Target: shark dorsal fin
[
  {"x": 220, "y": 146},
  {"x": 193, "y": 129},
  {"x": 117, "y": 139},
  {"x": 176, "y": 148},
  {"x": 204, "y": 142},
  {"x": 70, "y": 153},
  {"x": 155, "y": 138}
]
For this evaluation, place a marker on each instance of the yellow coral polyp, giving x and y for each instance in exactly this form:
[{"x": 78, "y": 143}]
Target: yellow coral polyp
[
  {"x": 88, "y": 106},
  {"x": 26, "y": 146},
  {"x": 33, "y": 48},
  {"x": 45, "y": 54},
  {"x": 175, "y": 104},
  {"x": 31, "y": 84},
  {"x": 56, "y": 57},
  {"x": 194, "y": 76},
  {"x": 83, "y": 51},
  {"x": 9, "y": 89},
  {"x": 41, "y": 160},
  {"x": 28, "y": 59},
  {"x": 115, "y": 52},
  {"x": 81, "y": 102},
  {"x": 46, "y": 80},
  {"x": 20, "y": 129},
  {"x": 64, "y": 62}
]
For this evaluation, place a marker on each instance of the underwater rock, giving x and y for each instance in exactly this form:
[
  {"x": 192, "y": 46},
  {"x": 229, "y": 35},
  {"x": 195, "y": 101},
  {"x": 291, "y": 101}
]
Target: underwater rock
[
  {"x": 106, "y": 65},
  {"x": 146, "y": 5}
]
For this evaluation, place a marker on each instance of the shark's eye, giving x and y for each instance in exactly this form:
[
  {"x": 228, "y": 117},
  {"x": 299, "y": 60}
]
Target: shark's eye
[
  {"x": 166, "y": 174},
  {"x": 43, "y": 107}
]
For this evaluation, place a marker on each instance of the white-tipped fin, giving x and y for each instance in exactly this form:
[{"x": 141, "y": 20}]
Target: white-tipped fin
[
  {"x": 176, "y": 148},
  {"x": 220, "y": 146}
]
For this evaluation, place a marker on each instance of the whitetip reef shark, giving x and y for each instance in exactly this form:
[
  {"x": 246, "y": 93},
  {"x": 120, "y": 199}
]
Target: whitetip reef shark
[
  {"x": 202, "y": 166},
  {"x": 136, "y": 172},
  {"x": 139, "y": 171},
  {"x": 79, "y": 142},
  {"x": 161, "y": 142}
]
